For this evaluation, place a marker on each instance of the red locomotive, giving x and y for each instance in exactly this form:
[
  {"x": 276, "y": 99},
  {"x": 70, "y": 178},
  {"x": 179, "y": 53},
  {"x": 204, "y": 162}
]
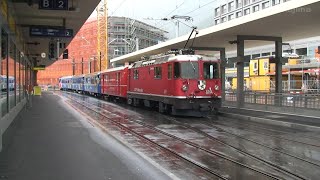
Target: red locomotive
[{"x": 179, "y": 83}]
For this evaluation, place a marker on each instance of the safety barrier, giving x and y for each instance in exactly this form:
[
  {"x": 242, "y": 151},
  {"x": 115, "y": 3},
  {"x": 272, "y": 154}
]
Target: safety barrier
[{"x": 306, "y": 101}]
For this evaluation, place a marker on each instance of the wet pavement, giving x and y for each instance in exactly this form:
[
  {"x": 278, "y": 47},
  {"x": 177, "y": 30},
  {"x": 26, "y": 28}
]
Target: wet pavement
[{"x": 232, "y": 148}]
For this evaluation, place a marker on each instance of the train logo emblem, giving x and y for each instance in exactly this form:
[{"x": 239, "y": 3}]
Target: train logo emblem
[{"x": 201, "y": 84}]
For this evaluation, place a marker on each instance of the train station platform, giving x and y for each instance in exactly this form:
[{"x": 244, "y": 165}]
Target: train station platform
[{"x": 52, "y": 141}]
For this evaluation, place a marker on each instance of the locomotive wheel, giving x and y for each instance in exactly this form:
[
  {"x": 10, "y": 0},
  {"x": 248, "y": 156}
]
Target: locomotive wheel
[
  {"x": 161, "y": 107},
  {"x": 164, "y": 108},
  {"x": 215, "y": 111},
  {"x": 136, "y": 102},
  {"x": 129, "y": 101}
]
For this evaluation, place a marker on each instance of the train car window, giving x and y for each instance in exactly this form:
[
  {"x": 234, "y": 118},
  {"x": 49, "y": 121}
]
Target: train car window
[
  {"x": 92, "y": 80},
  {"x": 176, "y": 70},
  {"x": 210, "y": 70},
  {"x": 189, "y": 70},
  {"x": 157, "y": 72},
  {"x": 169, "y": 71},
  {"x": 97, "y": 79},
  {"x": 136, "y": 74}
]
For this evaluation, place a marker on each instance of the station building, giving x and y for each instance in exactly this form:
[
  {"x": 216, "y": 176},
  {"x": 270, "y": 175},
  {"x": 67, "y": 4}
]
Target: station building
[{"x": 15, "y": 69}]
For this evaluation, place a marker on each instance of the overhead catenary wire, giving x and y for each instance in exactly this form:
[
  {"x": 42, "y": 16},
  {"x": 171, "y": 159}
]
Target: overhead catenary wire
[
  {"x": 200, "y": 6},
  {"x": 118, "y": 7}
]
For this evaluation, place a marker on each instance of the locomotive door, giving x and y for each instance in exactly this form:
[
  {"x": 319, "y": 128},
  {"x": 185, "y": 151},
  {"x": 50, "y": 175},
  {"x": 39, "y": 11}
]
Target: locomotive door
[
  {"x": 170, "y": 85},
  {"x": 118, "y": 87}
]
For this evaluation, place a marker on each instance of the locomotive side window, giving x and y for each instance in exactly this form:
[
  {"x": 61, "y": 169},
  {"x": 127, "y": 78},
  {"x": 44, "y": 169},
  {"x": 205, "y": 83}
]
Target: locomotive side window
[
  {"x": 210, "y": 70},
  {"x": 157, "y": 72},
  {"x": 136, "y": 74},
  {"x": 169, "y": 71},
  {"x": 176, "y": 70}
]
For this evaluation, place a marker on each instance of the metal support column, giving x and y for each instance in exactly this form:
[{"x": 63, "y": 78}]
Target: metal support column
[
  {"x": 240, "y": 72},
  {"x": 278, "y": 58},
  {"x": 223, "y": 73}
]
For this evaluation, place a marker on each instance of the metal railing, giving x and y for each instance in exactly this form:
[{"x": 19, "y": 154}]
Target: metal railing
[{"x": 306, "y": 101}]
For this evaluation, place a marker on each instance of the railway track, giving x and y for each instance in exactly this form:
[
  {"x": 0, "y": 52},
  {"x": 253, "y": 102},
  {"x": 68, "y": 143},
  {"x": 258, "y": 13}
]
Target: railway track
[
  {"x": 268, "y": 132},
  {"x": 100, "y": 111},
  {"x": 242, "y": 137}
]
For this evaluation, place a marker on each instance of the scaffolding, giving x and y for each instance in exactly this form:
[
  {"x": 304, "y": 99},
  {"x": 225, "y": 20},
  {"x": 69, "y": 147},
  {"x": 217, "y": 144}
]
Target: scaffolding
[{"x": 102, "y": 38}]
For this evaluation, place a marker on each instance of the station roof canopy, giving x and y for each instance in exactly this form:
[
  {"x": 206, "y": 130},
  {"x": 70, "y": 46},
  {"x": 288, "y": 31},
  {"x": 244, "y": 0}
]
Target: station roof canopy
[
  {"x": 295, "y": 19},
  {"x": 27, "y": 14}
]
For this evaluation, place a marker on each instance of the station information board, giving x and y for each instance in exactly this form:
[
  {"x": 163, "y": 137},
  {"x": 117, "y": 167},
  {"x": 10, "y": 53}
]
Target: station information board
[
  {"x": 45, "y": 31},
  {"x": 53, "y": 4}
]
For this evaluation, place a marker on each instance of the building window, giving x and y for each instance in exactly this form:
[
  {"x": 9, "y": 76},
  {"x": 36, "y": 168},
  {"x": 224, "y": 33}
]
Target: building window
[
  {"x": 247, "y": 11},
  {"x": 265, "y": 65},
  {"x": 231, "y": 6},
  {"x": 265, "y": 5},
  {"x": 246, "y": 2},
  {"x": 239, "y": 14},
  {"x": 217, "y": 11},
  {"x": 255, "y": 66},
  {"x": 238, "y": 4},
  {"x": 256, "y": 8},
  {"x": 275, "y": 2},
  {"x": 231, "y": 16},
  {"x": 217, "y": 21},
  {"x": 224, "y": 19},
  {"x": 136, "y": 74},
  {"x": 223, "y": 9}
]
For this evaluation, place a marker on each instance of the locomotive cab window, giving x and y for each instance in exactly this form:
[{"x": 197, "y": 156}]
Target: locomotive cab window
[
  {"x": 189, "y": 70},
  {"x": 210, "y": 70},
  {"x": 176, "y": 70}
]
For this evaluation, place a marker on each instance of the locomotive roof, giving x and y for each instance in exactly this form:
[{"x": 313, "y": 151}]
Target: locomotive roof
[
  {"x": 171, "y": 57},
  {"x": 114, "y": 69},
  {"x": 92, "y": 74}
]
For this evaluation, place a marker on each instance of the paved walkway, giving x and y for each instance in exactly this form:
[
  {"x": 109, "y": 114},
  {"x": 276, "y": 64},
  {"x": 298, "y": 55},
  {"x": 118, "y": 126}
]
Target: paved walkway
[{"x": 51, "y": 141}]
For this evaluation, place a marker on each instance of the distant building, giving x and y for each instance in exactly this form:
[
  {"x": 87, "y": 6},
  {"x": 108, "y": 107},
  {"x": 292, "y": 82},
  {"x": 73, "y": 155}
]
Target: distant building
[
  {"x": 127, "y": 35},
  {"x": 231, "y": 9},
  {"x": 124, "y": 36}
]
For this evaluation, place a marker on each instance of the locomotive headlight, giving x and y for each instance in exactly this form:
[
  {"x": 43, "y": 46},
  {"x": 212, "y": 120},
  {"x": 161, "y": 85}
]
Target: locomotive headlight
[
  {"x": 184, "y": 87},
  {"x": 216, "y": 87}
]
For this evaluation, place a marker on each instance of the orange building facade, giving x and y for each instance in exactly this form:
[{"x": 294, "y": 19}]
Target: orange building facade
[{"x": 82, "y": 57}]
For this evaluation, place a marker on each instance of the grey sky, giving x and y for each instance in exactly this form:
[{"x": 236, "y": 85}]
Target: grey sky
[{"x": 201, "y": 11}]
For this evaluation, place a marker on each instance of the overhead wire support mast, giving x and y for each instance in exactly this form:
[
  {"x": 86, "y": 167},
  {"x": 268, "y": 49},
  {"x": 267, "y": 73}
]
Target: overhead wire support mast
[{"x": 177, "y": 17}]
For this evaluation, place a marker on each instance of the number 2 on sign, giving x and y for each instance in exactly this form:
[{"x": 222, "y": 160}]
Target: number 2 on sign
[{"x": 60, "y": 4}]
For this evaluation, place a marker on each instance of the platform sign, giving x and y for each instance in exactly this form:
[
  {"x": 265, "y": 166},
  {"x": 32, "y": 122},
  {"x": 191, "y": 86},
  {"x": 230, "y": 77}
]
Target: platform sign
[
  {"x": 45, "y": 31},
  {"x": 53, "y": 4}
]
